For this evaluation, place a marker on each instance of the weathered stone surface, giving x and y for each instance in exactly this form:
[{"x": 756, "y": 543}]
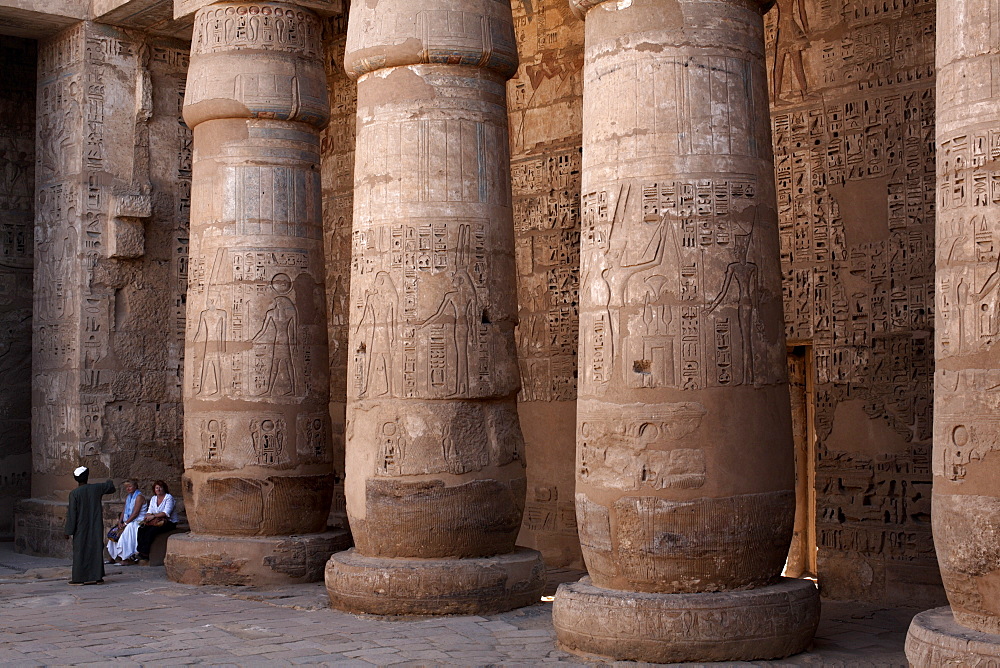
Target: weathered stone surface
[
  {"x": 683, "y": 418},
  {"x": 473, "y": 586},
  {"x": 106, "y": 347},
  {"x": 18, "y": 60},
  {"x": 966, "y": 444},
  {"x": 432, "y": 423},
  {"x": 853, "y": 135},
  {"x": 202, "y": 559},
  {"x": 257, "y": 426},
  {"x": 545, "y": 117},
  {"x": 935, "y": 639},
  {"x": 763, "y": 623},
  {"x": 337, "y": 173}
]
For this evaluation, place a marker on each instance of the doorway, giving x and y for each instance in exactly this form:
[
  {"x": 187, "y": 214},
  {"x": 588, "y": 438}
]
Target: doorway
[{"x": 801, "y": 560}]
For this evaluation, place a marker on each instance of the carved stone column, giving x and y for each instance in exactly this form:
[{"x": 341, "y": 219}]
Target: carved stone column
[
  {"x": 435, "y": 459},
  {"x": 258, "y": 465},
  {"x": 965, "y": 514},
  {"x": 684, "y": 492}
]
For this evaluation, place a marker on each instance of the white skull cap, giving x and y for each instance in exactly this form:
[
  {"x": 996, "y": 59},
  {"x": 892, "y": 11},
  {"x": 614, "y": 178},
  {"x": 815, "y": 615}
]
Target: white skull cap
[{"x": 78, "y": 471}]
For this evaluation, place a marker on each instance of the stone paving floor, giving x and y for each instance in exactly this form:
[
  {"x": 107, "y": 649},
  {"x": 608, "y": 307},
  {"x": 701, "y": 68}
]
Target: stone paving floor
[{"x": 139, "y": 617}]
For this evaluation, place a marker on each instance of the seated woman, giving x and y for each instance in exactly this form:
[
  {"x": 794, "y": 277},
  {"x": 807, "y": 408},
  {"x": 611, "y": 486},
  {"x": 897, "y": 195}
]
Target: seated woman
[
  {"x": 128, "y": 524},
  {"x": 161, "y": 516}
]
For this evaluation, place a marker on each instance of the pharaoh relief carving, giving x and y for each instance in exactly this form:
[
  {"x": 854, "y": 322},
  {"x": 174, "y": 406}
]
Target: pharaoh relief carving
[
  {"x": 422, "y": 323},
  {"x": 673, "y": 290},
  {"x": 249, "y": 341}
]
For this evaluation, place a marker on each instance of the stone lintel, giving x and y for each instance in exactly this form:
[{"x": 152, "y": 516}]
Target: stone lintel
[
  {"x": 203, "y": 559},
  {"x": 936, "y": 639},
  {"x": 37, "y": 19},
  {"x": 153, "y": 16},
  {"x": 486, "y": 585},
  {"x": 185, "y": 9},
  {"x": 743, "y": 625}
]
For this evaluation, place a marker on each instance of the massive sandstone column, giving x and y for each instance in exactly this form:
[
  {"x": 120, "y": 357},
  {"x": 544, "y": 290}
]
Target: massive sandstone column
[
  {"x": 258, "y": 472},
  {"x": 684, "y": 493},
  {"x": 435, "y": 458},
  {"x": 966, "y": 455}
]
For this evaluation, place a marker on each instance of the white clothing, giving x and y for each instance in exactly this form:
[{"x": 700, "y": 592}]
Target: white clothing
[
  {"x": 128, "y": 540},
  {"x": 166, "y": 507}
]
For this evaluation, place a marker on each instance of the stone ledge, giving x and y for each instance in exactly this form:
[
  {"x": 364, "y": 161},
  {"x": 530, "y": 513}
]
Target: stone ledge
[
  {"x": 203, "y": 559},
  {"x": 936, "y": 639},
  {"x": 477, "y": 586},
  {"x": 763, "y": 623}
]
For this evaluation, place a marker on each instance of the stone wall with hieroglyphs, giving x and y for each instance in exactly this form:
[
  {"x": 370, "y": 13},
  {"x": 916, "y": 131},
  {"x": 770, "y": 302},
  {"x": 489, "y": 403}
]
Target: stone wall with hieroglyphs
[
  {"x": 113, "y": 196},
  {"x": 338, "y": 206},
  {"x": 544, "y": 100},
  {"x": 852, "y": 107},
  {"x": 18, "y": 59}
]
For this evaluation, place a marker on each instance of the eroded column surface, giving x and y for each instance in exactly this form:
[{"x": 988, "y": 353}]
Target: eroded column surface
[
  {"x": 258, "y": 465},
  {"x": 966, "y": 464},
  {"x": 435, "y": 456},
  {"x": 684, "y": 445}
]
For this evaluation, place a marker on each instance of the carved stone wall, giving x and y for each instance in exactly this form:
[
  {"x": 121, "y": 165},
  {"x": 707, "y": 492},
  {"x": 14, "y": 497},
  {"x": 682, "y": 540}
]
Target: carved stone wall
[
  {"x": 113, "y": 175},
  {"x": 18, "y": 60},
  {"x": 337, "y": 141},
  {"x": 852, "y": 105},
  {"x": 545, "y": 111}
]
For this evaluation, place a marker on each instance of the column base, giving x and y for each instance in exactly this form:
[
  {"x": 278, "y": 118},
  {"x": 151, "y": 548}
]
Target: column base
[
  {"x": 936, "y": 639},
  {"x": 204, "y": 559},
  {"x": 763, "y": 623},
  {"x": 487, "y": 585}
]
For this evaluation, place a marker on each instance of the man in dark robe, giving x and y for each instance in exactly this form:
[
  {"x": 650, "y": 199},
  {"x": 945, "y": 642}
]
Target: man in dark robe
[{"x": 85, "y": 522}]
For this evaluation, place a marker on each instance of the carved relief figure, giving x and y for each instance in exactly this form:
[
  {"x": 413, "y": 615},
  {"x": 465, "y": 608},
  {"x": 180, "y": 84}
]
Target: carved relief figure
[
  {"x": 381, "y": 336},
  {"x": 740, "y": 287},
  {"x": 210, "y": 344},
  {"x": 790, "y": 40},
  {"x": 276, "y": 339}
]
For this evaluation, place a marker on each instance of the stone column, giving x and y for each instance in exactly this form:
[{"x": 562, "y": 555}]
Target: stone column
[
  {"x": 965, "y": 513},
  {"x": 684, "y": 493},
  {"x": 435, "y": 456},
  {"x": 258, "y": 464}
]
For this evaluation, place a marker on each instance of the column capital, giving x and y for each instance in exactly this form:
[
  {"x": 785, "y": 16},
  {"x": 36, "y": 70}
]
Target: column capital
[
  {"x": 581, "y": 7},
  {"x": 444, "y": 32},
  {"x": 257, "y": 60},
  {"x": 187, "y": 8}
]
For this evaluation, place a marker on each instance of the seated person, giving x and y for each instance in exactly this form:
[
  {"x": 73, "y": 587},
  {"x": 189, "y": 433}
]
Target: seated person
[
  {"x": 161, "y": 516},
  {"x": 128, "y": 524}
]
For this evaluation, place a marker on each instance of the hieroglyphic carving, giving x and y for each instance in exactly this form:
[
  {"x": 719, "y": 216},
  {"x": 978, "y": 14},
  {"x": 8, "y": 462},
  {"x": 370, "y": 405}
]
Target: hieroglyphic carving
[
  {"x": 256, "y": 327},
  {"x": 17, "y": 177},
  {"x": 853, "y": 131},
  {"x": 107, "y": 169},
  {"x": 686, "y": 329}
]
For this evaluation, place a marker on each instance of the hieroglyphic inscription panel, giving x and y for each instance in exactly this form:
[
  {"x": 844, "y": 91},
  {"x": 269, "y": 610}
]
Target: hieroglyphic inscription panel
[
  {"x": 545, "y": 111},
  {"x": 17, "y": 182},
  {"x": 852, "y": 106},
  {"x": 337, "y": 146},
  {"x": 113, "y": 170}
]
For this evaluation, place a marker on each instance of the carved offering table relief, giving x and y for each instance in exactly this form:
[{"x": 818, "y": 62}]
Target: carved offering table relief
[
  {"x": 258, "y": 464},
  {"x": 435, "y": 480},
  {"x": 684, "y": 472},
  {"x": 966, "y": 502}
]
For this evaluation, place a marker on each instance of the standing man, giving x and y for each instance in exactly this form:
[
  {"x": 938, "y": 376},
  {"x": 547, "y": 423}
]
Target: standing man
[{"x": 85, "y": 522}]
